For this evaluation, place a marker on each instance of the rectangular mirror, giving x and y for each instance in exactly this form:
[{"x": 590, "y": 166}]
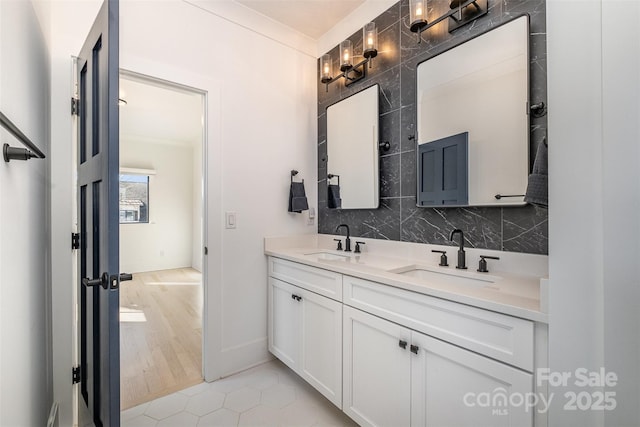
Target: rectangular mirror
[
  {"x": 352, "y": 148},
  {"x": 473, "y": 121}
]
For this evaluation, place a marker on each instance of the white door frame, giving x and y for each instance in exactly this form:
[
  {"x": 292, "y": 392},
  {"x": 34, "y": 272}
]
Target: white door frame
[{"x": 212, "y": 190}]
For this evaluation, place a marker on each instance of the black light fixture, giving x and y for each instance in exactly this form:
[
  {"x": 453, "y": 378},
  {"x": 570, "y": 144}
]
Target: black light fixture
[
  {"x": 461, "y": 13},
  {"x": 351, "y": 73}
]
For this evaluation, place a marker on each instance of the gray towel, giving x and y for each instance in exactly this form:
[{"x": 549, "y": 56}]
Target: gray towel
[
  {"x": 334, "y": 200},
  {"x": 297, "y": 198},
  {"x": 538, "y": 187}
]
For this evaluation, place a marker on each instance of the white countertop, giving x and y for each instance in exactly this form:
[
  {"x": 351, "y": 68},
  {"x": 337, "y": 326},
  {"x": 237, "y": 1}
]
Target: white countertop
[{"x": 517, "y": 289}]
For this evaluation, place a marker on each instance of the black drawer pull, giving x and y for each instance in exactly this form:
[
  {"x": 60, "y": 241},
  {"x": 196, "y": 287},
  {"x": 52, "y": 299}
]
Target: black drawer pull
[
  {"x": 414, "y": 349},
  {"x": 402, "y": 344}
]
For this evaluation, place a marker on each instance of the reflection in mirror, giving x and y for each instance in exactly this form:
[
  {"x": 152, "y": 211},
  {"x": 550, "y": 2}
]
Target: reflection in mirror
[
  {"x": 479, "y": 89},
  {"x": 352, "y": 148}
]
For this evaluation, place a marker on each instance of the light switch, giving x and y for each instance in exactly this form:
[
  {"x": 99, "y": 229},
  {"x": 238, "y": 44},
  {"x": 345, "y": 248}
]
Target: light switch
[
  {"x": 312, "y": 216},
  {"x": 230, "y": 219}
]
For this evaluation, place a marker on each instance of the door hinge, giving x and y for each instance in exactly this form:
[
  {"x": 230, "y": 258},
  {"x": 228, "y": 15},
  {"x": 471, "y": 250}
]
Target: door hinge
[
  {"x": 75, "y": 240},
  {"x": 75, "y": 375},
  {"x": 75, "y": 107}
]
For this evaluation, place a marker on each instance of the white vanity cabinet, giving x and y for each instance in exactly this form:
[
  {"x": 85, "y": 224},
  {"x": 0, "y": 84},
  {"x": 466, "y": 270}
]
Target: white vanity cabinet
[
  {"x": 388, "y": 356},
  {"x": 377, "y": 370},
  {"x": 394, "y": 376},
  {"x": 305, "y": 332}
]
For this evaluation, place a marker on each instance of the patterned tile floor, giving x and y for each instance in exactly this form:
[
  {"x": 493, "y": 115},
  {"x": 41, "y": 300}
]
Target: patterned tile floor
[{"x": 267, "y": 395}]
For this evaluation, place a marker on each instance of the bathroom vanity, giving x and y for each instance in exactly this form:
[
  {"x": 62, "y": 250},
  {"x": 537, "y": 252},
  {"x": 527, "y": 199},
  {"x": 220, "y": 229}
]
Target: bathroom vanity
[{"x": 392, "y": 338}]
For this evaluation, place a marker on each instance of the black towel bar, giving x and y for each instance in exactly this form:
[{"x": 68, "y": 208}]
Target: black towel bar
[
  {"x": 11, "y": 153},
  {"x": 500, "y": 196}
]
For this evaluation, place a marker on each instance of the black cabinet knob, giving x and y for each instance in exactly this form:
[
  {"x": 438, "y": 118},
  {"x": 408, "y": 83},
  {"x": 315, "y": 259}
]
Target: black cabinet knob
[
  {"x": 402, "y": 344},
  {"x": 414, "y": 349}
]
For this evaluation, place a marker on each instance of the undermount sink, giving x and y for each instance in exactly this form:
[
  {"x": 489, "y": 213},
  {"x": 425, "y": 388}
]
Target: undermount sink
[
  {"x": 327, "y": 256},
  {"x": 463, "y": 278}
]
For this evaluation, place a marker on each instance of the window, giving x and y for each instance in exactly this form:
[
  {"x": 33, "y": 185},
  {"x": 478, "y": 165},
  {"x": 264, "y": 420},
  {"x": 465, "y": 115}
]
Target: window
[{"x": 134, "y": 199}]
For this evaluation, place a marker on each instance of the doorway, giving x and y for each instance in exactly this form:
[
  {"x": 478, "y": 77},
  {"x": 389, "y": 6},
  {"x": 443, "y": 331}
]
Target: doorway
[{"x": 161, "y": 237}]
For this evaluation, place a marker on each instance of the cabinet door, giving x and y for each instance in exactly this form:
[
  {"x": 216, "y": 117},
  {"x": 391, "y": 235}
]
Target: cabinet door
[
  {"x": 377, "y": 370},
  {"x": 284, "y": 322},
  {"x": 455, "y": 387},
  {"x": 321, "y": 345}
]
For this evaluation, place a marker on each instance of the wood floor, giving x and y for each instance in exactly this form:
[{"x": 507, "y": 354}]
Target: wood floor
[{"x": 160, "y": 334}]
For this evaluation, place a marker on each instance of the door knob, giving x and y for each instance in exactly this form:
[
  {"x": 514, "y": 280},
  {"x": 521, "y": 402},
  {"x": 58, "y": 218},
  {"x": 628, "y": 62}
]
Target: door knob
[
  {"x": 101, "y": 281},
  {"x": 105, "y": 279}
]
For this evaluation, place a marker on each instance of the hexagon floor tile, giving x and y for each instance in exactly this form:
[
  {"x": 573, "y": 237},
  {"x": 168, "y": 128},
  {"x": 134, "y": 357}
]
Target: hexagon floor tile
[
  {"x": 205, "y": 402},
  {"x": 221, "y": 418},
  {"x": 183, "y": 419},
  {"x": 242, "y": 400},
  {"x": 278, "y": 396},
  {"x": 166, "y": 406},
  {"x": 139, "y": 421},
  {"x": 267, "y": 395}
]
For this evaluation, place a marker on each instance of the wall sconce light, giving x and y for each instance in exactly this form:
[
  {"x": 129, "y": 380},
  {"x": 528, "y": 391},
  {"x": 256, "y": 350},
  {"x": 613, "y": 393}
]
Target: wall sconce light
[
  {"x": 461, "y": 13},
  {"x": 351, "y": 73}
]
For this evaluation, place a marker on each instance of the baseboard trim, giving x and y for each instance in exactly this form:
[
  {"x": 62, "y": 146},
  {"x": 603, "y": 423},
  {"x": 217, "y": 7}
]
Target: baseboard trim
[{"x": 240, "y": 358}]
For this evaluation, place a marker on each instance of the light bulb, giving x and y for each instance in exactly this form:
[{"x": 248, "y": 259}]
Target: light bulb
[{"x": 419, "y": 9}]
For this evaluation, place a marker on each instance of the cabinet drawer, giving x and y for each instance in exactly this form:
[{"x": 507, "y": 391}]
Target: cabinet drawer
[
  {"x": 323, "y": 282},
  {"x": 501, "y": 337}
]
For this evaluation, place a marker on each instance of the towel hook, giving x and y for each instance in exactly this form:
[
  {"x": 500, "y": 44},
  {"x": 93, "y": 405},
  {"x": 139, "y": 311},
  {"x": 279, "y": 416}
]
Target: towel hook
[
  {"x": 330, "y": 176},
  {"x": 294, "y": 173}
]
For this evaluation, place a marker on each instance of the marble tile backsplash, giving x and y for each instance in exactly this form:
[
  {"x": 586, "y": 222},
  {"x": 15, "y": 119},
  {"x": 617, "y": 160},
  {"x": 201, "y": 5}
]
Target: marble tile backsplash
[{"x": 519, "y": 229}]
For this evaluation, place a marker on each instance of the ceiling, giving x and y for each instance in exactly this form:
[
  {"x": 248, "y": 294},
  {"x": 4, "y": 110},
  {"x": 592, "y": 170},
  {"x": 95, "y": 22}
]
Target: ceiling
[
  {"x": 159, "y": 113},
  {"x": 310, "y": 17}
]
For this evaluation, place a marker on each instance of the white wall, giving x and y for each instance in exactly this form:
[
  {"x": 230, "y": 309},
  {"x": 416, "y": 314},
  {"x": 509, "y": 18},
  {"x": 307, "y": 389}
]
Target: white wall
[
  {"x": 594, "y": 193},
  {"x": 261, "y": 118},
  {"x": 25, "y": 371},
  {"x": 166, "y": 241},
  {"x": 621, "y": 203},
  {"x": 266, "y": 127}
]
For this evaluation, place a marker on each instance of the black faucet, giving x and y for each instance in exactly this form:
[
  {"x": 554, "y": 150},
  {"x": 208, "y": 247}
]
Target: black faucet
[
  {"x": 347, "y": 241},
  {"x": 461, "y": 255}
]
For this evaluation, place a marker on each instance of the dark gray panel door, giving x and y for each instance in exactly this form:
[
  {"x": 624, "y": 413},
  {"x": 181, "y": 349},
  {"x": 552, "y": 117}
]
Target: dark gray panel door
[
  {"x": 98, "y": 264},
  {"x": 443, "y": 171}
]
